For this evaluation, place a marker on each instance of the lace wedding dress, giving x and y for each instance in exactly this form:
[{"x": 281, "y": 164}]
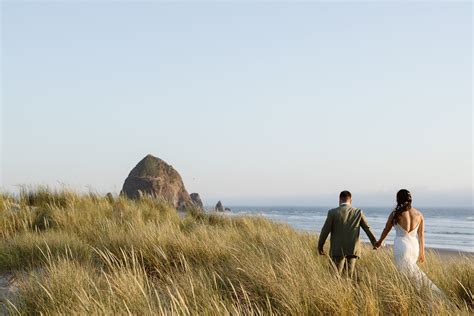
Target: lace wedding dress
[{"x": 406, "y": 250}]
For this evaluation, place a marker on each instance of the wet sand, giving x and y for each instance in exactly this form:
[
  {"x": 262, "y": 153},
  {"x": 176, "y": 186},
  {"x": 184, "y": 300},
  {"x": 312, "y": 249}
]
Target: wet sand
[
  {"x": 444, "y": 254},
  {"x": 450, "y": 253}
]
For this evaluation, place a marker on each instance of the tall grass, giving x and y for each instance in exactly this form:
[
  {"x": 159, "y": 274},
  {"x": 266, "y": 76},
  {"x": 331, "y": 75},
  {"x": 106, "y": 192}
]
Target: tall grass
[{"x": 86, "y": 254}]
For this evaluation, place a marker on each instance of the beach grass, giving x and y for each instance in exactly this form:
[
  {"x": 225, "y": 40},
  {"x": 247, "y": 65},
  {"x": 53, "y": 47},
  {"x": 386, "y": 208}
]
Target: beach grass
[{"x": 74, "y": 253}]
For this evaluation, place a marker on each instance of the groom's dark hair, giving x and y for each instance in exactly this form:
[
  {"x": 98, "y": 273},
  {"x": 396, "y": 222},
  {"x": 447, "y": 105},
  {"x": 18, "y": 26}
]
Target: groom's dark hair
[{"x": 345, "y": 195}]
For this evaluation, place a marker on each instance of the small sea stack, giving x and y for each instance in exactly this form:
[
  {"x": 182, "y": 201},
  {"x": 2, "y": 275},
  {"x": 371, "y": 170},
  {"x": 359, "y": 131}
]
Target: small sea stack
[
  {"x": 219, "y": 207},
  {"x": 196, "y": 199}
]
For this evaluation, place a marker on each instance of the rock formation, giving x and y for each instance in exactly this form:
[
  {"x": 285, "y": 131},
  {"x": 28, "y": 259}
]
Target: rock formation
[
  {"x": 196, "y": 199},
  {"x": 152, "y": 176},
  {"x": 109, "y": 197},
  {"x": 219, "y": 207}
]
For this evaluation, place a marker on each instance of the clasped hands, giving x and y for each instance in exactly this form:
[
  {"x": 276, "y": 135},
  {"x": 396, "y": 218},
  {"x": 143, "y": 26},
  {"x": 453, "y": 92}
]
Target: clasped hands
[{"x": 377, "y": 244}]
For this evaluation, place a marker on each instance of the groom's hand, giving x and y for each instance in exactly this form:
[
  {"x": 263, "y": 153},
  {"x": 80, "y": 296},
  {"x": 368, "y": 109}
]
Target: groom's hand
[
  {"x": 377, "y": 244},
  {"x": 321, "y": 252}
]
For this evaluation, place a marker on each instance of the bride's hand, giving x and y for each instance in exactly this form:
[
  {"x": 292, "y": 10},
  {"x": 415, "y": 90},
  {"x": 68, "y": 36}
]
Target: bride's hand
[
  {"x": 377, "y": 244},
  {"x": 421, "y": 258}
]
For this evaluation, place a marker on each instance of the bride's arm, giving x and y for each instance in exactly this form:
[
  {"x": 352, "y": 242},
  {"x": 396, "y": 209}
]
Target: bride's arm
[
  {"x": 421, "y": 240},
  {"x": 386, "y": 230}
]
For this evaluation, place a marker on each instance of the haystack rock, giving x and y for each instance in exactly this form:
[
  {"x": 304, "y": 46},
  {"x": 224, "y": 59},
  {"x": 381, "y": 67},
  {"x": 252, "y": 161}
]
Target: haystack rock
[
  {"x": 219, "y": 207},
  {"x": 152, "y": 176},
  {"x": 196, "y": 199}
]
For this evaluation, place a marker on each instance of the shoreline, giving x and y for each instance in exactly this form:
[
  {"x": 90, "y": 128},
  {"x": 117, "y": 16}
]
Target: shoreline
[
  {"x": 442, "y": 253},
  {"x": 449, "y": 253},
  {"x": 451, "y": 241}
]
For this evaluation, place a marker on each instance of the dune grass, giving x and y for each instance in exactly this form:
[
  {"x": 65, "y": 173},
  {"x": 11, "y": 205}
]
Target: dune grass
[{"x": 86, "y": 254}]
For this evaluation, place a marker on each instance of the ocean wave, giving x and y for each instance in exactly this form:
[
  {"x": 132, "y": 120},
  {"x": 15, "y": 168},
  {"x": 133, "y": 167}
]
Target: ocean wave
[{"x": 451, "y": 233}]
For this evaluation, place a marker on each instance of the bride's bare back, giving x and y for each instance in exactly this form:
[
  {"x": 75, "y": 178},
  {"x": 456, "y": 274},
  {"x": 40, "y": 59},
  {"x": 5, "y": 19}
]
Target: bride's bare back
[{"x": 410, "y": 219}]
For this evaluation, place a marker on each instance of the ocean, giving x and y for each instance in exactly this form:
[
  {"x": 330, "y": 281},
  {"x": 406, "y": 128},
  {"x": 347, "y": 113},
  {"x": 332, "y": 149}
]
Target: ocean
[{"x": 446, "y": 228}]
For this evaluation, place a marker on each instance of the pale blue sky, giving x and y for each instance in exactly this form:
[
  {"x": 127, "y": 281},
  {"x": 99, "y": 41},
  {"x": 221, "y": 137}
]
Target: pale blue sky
[{"x": 252, "y": 103}]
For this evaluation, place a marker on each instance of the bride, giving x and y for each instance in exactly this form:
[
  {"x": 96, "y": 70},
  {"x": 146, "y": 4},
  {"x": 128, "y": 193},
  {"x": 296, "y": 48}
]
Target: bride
[{"x": 409, "y": 243}]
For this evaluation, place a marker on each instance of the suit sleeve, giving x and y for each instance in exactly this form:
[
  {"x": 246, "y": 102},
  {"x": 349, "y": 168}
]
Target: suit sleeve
[
  {"x": 325, "y": 231},
  {"x": 365, "y": 226}
]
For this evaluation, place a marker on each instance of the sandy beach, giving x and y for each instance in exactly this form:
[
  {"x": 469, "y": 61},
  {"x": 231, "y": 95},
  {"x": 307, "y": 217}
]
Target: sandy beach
[
  {"x": 444, "y": 254},
  {"x": 450, "y": 253}
]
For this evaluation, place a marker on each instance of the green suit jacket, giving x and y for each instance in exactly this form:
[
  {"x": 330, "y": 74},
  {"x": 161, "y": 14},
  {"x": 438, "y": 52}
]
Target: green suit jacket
[{"x": 344, "y": 223}]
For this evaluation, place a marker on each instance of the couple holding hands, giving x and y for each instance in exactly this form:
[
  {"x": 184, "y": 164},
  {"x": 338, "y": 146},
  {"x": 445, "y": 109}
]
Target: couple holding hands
[{"x": 344, "y": 222}]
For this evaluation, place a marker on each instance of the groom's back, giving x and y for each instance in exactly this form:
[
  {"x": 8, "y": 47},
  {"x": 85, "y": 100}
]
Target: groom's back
[{"x": 345, "y": 230}]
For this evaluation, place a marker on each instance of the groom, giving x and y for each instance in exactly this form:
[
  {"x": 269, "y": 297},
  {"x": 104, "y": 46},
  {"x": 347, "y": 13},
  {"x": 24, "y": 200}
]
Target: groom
[{"x": 344, "y": 223}]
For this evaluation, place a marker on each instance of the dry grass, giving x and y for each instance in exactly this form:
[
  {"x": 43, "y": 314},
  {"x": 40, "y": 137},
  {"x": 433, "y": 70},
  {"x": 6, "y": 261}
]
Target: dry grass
[{"x": 84, "y": 254}]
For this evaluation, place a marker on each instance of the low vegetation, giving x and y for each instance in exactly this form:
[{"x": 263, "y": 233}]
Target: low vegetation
[{"x": 86, "y": 254}]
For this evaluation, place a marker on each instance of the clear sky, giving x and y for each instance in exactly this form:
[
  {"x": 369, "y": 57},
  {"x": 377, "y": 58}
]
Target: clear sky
[{"x": 270, "y": 103}]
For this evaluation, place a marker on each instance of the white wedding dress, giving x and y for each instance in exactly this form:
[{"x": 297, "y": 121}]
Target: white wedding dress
[{"x": 406, "y": 250}]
